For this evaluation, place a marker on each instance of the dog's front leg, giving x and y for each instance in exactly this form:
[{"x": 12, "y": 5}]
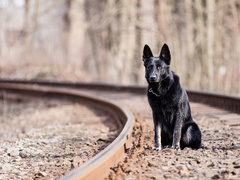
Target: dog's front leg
[
  {"x": 157, "y": 128},
  {"x": 177, "y": 133}
]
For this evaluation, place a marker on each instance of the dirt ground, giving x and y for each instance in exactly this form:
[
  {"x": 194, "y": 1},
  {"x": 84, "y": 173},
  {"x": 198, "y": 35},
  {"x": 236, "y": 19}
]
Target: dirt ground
[
  {"x": 219, "y": 160},
  {"x": 55, "y": 128},
  {"x": 44, "y": 137}
]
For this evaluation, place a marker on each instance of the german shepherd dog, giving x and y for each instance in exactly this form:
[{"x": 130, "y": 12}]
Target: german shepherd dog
[{"x": 169, "y": 103}]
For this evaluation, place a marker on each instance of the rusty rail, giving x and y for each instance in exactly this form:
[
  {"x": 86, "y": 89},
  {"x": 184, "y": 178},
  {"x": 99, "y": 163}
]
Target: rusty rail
[{"x": 98, "y": 166}]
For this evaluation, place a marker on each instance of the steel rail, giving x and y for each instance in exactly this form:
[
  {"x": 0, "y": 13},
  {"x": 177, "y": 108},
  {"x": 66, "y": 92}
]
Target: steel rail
[
  {"x": 223, "y": 101},
  {"x": 98, "y": 166}
]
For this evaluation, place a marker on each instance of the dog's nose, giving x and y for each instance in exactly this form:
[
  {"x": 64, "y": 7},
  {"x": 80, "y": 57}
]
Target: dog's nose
[{"x": 153, "y": 78}]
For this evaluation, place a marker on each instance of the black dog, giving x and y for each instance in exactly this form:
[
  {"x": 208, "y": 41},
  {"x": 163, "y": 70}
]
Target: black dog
[{"x": 169, "y": 103}]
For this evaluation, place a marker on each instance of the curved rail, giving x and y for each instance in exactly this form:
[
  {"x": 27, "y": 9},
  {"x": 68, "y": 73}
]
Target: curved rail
[
  {"x": 94, "y": 168},
  {"x": 228, "y": 102}
]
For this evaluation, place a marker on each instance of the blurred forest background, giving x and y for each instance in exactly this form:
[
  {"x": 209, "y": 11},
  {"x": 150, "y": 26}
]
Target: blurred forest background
[{"x": 102, "y": 40}]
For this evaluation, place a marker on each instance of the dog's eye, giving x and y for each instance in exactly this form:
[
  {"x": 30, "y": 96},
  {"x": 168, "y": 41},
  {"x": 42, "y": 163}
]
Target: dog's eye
[
  {"x": 150, "y": 67},
  {"x": 159, "y": 67}
]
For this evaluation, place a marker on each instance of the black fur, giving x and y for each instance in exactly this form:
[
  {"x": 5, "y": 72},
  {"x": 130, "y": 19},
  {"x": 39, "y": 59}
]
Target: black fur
[{"x": 169, "y": 103}]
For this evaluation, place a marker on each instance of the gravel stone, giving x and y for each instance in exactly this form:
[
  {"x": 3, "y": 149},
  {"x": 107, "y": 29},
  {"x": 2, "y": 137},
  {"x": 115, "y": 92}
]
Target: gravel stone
[{"x": 46, "y": 138}]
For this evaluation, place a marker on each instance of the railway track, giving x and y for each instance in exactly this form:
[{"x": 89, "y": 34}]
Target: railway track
[
  {"x": 121, "y": 115},
  {"x": 216, "y": 113}
]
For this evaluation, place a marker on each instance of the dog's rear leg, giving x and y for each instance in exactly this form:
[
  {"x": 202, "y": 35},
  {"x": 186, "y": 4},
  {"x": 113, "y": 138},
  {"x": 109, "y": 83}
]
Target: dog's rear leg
[
  {"x": 191, "y": 137},
  {"x": 157, "y": 126}
]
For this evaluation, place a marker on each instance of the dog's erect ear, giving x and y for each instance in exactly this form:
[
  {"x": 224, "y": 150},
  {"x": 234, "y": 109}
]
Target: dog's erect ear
[
  {"x": 165, "y": 54},
  {"x": 147, "y": 53}
]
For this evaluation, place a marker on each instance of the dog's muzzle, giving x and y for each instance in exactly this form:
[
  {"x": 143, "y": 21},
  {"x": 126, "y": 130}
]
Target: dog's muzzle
[{"x": 153, "y": 78}]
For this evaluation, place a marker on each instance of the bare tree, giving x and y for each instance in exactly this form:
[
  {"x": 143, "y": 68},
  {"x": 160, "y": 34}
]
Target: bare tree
[
  {"x": 210, "y": 41},
  {"x": 27, "y": 24}
]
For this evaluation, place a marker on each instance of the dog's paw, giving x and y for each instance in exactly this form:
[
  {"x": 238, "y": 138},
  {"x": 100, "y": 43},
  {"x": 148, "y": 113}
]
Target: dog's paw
[
  {"x": 177, "y": 147},
  {"x": 156, "y": 148}
]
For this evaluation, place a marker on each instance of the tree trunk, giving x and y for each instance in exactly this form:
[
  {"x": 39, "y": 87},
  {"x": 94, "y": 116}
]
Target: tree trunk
[
  {"x": 26, "y": 24},
  {"x": 210, "y": 42},
  {"x": 189, "y": 44}
]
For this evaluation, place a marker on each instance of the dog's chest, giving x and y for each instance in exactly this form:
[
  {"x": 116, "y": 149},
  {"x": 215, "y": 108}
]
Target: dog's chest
[
  {"x": 165, "y": 108},
  {"x": 161, "y": 102}
]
